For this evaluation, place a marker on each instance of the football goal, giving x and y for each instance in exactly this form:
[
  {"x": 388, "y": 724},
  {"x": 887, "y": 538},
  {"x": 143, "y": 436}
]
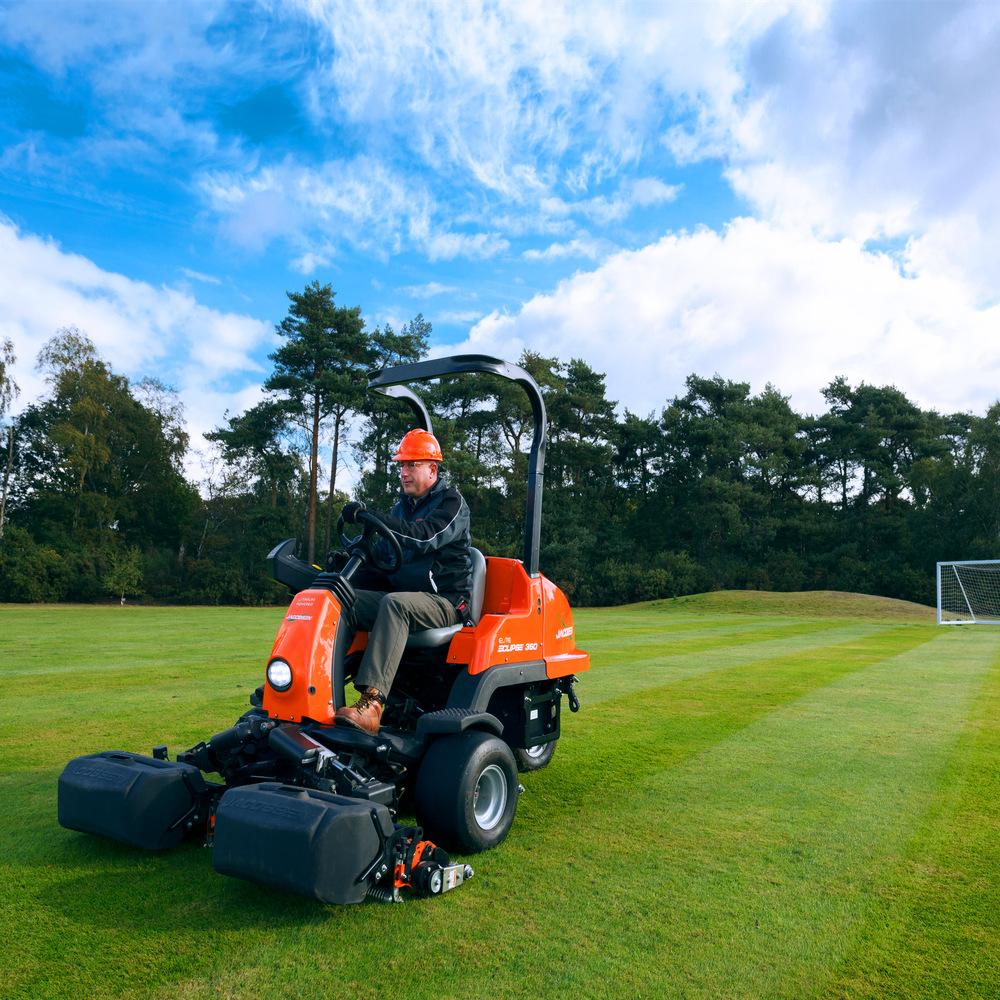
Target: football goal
[{"x": 968, "y": 593}]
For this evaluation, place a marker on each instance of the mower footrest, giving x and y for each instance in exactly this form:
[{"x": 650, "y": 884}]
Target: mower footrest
[
  {"x": 138, "y": 800},
  {"x": 327, "y": 846}
]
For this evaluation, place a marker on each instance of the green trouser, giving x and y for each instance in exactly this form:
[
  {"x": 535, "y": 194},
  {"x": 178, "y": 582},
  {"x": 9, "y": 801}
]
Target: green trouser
[{"x": 389, "y": 619}]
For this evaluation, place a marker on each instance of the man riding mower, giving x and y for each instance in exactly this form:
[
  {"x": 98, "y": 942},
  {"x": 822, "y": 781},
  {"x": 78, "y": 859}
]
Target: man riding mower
[
  {"x": 432, "y": 588},
  {"x": 309, "y": 801}
]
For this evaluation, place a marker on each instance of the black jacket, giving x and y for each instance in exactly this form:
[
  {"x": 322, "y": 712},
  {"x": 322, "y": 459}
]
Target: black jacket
[{"x": 434, "y": 535}]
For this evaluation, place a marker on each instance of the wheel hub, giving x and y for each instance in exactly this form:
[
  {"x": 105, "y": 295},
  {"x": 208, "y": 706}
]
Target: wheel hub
[{"x": 490, "y": 797}]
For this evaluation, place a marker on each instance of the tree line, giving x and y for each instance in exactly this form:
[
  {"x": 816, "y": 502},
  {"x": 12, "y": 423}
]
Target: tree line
[{"x": 723, "y": 488}]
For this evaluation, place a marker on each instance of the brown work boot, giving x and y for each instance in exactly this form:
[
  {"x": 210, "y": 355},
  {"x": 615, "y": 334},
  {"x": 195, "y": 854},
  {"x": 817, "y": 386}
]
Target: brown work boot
[{"x": 365, "y": 714}]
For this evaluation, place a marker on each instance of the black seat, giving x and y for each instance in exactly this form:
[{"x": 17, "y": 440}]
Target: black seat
[{"x": 432, "y": 637}]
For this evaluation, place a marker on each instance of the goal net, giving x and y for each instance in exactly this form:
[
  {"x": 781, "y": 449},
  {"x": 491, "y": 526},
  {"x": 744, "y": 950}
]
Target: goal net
[{"x": 968, "y": 592}]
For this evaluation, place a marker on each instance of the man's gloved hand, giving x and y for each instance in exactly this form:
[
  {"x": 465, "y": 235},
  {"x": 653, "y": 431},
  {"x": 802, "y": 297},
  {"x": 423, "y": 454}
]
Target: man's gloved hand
[{"x": 351, "y": 511}]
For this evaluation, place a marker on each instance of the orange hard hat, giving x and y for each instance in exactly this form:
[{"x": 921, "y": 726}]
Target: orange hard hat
[{"x": 417, "y": 446}]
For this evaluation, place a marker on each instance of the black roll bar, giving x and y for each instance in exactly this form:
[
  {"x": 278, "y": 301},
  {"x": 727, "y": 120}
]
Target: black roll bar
[
  {"x": 416, "y": 404},
  {"x": 460, "y": 364}
]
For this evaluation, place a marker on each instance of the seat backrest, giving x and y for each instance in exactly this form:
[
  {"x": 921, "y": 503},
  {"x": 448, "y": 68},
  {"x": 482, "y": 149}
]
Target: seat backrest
[
  {"x": 433, "y": 637},
  {"x": 478, "y": 585}
]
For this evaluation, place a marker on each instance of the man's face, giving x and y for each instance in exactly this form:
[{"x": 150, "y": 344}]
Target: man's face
[{"x": 417, "y": 477}]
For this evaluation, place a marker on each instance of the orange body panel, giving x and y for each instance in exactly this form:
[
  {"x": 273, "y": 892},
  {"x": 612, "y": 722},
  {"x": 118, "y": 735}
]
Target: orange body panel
[
  {"x": 524, "y": 619},
  {"x": 305, "y": 641}
]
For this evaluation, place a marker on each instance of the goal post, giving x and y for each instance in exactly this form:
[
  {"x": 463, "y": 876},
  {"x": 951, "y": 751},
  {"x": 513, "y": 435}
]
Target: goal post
[{"x": 968, "y": 592}]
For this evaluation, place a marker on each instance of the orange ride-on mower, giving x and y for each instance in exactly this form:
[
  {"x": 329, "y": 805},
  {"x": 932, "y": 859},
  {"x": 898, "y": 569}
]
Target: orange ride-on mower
[{"x": 311, "y": 807}]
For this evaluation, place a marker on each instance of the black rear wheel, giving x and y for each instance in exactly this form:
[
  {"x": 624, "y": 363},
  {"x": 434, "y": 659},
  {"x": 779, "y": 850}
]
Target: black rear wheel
[
  {"x": 534, "y": 758},
  {"x": 466, "y": 791}
]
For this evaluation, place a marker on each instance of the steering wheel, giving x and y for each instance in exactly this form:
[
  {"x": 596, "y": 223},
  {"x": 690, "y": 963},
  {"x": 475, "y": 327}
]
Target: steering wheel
[{"x": 372, "y": 528}]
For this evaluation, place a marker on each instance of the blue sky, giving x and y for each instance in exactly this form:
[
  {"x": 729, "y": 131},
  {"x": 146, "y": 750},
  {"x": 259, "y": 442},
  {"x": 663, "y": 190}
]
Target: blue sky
[
  {"x": 140, "y": 188},
  {"x": 776, "y": 192}
]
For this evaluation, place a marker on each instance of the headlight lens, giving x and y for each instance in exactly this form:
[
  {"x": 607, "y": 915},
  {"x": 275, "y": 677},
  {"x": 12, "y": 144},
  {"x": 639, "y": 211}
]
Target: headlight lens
[{"x": 279, "y": 675}]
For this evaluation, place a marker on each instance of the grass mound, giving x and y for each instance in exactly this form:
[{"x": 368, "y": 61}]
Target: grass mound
[{"x": 803, "y": 604}]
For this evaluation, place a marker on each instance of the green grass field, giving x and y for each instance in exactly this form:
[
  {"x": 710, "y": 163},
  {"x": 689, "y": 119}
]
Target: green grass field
[{"x": 762, "y": 796}]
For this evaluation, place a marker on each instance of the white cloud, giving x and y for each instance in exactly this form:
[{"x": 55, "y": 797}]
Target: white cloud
[
  {"x": 132, "y": 41},
  {"x": 862, "y": 120},
  {"x": 311, "y": 261},
  {"x": 205, "y": 279},
  {"x": 447, "y": 246},
  {"x": 502, "y": 121},
  {"x": 646, "y": 191},
  {"x": 640, "y": 193},
  {"x": 501, "y": 93},
  {"x": 140, "y": 63},
  {"x": 27, "y": 156},
  {"x": 583, "y": 247},
  {"x": 137, "y": 328},
  {"x": 360, "y": 202},
  {"x": 428, "y": 290},
  {"x": 872, "y": 121},
  {"x": 839, "y": 123},
  {"x": 459, "y": 317},
  {"x": 766, "y": 304}
]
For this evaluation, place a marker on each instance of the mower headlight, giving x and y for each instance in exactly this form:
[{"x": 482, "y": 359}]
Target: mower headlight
[{"x": 279, "y": 675}]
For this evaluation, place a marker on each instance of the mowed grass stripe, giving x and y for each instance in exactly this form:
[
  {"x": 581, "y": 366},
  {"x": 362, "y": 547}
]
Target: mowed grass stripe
[
  {"x": 627, "y": 673},
  {"x": 125, "y": 678},
  {"x": 763, "y": 852},
  {"x": 119, "y": 658},
  {"x": 122, "y": 643},
  {"x": 692, "y": 709},
  {"x": 180, "y": 712},
  {"x": 599, "y": 627},
  {"x": 181, "y": 691},
  {"x": 118, "y": 642},
  {"x": 678, "y": 643},
  {"x": 932, "y": 929},
  {"x": 181, "y": 709}
]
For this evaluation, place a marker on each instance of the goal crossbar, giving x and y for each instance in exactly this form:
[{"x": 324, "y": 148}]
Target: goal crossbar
[{"x": 968, "y": 592}]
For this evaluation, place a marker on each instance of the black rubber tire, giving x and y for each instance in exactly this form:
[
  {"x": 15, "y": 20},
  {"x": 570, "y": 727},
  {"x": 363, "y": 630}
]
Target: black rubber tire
[
  {"x": 527, "y": 762},
  {"x": 446, "y": 802}
]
